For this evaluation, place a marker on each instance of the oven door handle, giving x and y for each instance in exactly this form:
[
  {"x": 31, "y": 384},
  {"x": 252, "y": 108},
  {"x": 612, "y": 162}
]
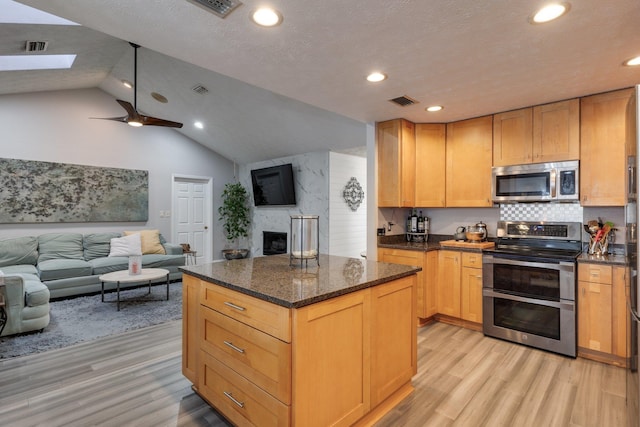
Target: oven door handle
[
  {"x": 560, "y": 265},
  {"x": 568, "y": 305}
]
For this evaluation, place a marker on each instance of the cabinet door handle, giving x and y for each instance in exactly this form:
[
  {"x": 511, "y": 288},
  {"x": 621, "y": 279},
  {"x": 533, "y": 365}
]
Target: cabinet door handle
[
  {"x": 230, "y": 344},
  {"x": 233, "y": 399},
  {"x": 232, "y": 305}
]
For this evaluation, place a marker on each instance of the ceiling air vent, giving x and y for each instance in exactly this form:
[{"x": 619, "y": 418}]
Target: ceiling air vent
[
  {"x": 199, "y": 89},
  {"x": 219, "y": 7},
  {"x": 403, "y": 101},
  {"x": 36, "y": 46}
]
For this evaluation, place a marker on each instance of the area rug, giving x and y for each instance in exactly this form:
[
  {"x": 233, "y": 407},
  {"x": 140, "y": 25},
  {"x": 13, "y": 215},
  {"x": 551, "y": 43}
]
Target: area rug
[{"x": 86, "y": 318}]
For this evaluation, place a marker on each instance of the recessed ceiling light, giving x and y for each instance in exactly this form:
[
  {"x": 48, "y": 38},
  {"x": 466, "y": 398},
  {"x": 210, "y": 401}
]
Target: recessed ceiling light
[
  {"x": 434, "y": 108},
  {"x": 266, "y": 17},
  {"x": 127, "y": 84},
  {"x": 199, "y": 125},
  {"x": 159, "y": 97},
  {"x": 550, "y": 12},
  {"x": 376, "y": 77},
  {"x": 633, "y": 62}
]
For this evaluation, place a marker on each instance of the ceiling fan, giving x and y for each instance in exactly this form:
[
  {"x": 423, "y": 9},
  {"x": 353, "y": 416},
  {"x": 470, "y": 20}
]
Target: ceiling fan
[{"x": 133, "y": 117}]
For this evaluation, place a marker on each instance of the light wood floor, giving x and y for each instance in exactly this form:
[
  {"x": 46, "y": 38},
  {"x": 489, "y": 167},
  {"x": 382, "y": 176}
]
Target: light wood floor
[{"x": 464, "y": 379}]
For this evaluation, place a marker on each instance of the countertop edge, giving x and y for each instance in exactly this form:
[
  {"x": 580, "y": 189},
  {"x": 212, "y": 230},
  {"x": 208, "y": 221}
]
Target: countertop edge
[{"x": 307, "y": 301}]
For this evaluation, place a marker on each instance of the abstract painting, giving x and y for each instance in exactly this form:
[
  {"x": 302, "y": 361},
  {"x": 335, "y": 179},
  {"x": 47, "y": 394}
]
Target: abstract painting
[{"x": 34, "y": 192}]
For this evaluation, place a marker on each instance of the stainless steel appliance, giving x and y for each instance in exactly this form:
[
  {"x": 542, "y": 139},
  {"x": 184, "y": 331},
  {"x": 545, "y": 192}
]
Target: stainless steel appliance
[
  {"x": 537, "y": 182},
  {"x": 631, "y": 251},
  {"x": 529, "y": 284}
]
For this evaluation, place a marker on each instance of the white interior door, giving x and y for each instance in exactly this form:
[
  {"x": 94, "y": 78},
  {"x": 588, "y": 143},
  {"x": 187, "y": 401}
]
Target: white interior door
[{"x": 192, "y": 214}]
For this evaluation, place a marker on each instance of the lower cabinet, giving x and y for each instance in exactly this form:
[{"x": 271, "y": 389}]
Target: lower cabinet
[
  {"x": 427, "y": 303},
  {"x": 240, "y": 359},
  {"x": 460, "y": 285},
  {"x": 602, "y": 325}
]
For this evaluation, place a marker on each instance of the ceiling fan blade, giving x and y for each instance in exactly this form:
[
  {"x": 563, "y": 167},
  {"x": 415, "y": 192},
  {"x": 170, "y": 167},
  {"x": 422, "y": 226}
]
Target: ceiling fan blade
[
  {"x": 131, "y": 111},
  {"x": 154, "y": 121},
  {"x": 116, "y": 119}
]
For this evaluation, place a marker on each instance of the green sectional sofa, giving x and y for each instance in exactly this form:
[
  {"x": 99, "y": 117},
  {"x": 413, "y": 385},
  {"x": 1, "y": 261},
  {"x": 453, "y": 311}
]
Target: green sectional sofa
[{"x": 70, "y": 263}]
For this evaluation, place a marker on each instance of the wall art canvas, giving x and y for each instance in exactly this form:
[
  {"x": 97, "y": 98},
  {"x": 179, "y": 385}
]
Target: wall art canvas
[{"x": 34, "y": 192}]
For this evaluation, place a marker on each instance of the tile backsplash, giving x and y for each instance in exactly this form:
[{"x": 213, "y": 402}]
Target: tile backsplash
[{"x": 566, "y": 212}]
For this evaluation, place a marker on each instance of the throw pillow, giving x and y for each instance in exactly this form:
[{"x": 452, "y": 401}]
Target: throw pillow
[
  {"x": 150, "y": 241},
  {"x": 126, "y": 246}
]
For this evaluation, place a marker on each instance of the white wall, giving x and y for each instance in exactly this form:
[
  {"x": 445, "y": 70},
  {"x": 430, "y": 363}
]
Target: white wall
[
  {"x": 55, "y": 127},
  {"x": 311, "y": 179},
  {"x": 347, "y": 228}
]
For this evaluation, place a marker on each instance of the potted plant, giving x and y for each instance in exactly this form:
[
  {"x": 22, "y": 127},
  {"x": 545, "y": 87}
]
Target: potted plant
[{"x": 234, "y": 214}]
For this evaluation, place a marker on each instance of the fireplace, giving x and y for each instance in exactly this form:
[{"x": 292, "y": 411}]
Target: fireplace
[{"x": 274, "y": 243}]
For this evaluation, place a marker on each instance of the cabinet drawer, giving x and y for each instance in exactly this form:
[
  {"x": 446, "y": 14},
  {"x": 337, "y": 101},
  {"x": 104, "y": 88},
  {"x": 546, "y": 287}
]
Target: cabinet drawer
[
  {"x": 261, "y": 358},
  {"x": 597, "y": 273},
  {"x": 236, "y": 397},
  {"x": 262, "y": 315},
  {"x": 472, "y": 259}
]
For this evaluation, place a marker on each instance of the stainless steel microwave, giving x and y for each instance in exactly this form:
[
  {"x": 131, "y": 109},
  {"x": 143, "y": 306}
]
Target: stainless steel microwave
[{"x": 536, "y": 182}]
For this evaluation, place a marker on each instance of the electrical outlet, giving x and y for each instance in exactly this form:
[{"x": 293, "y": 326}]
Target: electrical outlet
[
  {"x": 167, "y": 214},
  {"x": 161, "y": 214}
]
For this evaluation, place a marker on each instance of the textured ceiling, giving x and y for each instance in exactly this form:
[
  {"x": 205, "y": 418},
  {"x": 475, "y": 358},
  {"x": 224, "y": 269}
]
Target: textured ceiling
[{"x": 473, "y": 57}]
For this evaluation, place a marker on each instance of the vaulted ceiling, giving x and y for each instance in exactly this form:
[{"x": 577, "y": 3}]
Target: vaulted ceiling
[{"x": 301, "y": 87}]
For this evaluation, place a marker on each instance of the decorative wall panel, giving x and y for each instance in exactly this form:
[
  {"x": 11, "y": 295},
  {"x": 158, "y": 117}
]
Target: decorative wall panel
[{"x": 33, "y": 192}]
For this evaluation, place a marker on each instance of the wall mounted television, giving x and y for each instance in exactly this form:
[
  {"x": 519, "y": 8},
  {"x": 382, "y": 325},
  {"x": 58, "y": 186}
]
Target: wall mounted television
[{"x": 273, "y": 186}]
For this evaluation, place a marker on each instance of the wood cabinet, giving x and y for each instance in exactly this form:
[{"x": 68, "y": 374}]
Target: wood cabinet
[
  {"x": 396, "y": 151},
  {"x": 513, "y": 137},
  {"x": 544, "y": 133},
  {"x": 471, "y": 287},
  {"x": 602, "y": 312},
  {"x": 460, "y": 285},
  {"x": 556, "y": 131},
  {"x": 468, "y": 163},
  {"x": 449, "y": 277},
  {"x": 603, "y": 161},
  {"x": 430, "y": 165},
  {"x": 190, "y": 324},
  {"x": 427, "y": 304},
  {"x": 263, "y": 364}
]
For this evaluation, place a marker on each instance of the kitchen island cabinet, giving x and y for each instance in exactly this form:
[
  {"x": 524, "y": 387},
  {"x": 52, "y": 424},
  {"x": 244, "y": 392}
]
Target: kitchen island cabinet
[
  {"x": 603, "y": 156},
  {"x": 469, "y": 160},
  {"x": 602, "y": 326},
  {"x": 333, "y": 344},
  {"x": 396, "y": 148}
]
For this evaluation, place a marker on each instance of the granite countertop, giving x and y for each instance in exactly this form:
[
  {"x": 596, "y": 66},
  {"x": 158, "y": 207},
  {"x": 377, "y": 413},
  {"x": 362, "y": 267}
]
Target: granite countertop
[
  {"x": 399, "y": 241},
  {"x": 610, "y": 259},
  {"x": 272, "y": 279}
]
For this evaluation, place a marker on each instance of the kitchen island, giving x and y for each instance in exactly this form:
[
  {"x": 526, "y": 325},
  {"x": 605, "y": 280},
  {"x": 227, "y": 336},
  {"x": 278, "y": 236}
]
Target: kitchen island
[{"x": 266, "y": 343}]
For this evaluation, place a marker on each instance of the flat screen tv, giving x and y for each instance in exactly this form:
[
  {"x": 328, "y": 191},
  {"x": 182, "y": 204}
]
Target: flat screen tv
[{"x": 273, "y": 186}]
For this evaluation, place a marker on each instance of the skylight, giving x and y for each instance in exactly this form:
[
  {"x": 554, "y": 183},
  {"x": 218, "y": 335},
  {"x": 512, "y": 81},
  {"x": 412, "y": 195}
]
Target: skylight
[
  {"x": 35, "y": 62},
  {"x": 16, "y": 13}
]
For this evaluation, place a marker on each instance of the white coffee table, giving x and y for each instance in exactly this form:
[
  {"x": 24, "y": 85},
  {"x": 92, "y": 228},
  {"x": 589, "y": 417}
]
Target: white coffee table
[{"x": 123, "y": 276}]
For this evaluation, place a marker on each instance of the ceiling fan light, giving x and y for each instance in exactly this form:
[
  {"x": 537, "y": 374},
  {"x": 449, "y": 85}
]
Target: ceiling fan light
[
  {"x": 127, "y": 84},
  {"x": 135, "y": 123}
]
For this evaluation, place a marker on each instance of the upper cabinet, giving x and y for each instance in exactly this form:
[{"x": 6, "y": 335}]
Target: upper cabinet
[
  {"x": 430, "y": 165},
  {"x": 603, "y": 163},
  {"x": 545, "y": 133},
  {"x": 513, "y": 137},
  {"x": 556, "y": 131},
  {"x": 468, "y": 165},
  {"x": 396, "y": 163}
]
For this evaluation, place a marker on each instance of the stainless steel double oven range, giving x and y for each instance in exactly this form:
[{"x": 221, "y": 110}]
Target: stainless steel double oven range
[{"x": 529, "y": 284}]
